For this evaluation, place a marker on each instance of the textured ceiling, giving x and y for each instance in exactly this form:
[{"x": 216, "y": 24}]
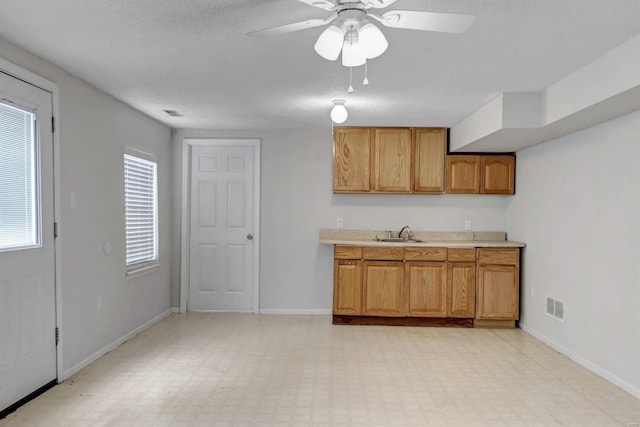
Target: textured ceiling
[{"x": 195, "y": 57}]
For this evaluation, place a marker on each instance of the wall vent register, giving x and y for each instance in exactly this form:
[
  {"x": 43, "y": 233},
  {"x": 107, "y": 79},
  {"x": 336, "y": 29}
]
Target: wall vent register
[{"x": 555, "y": 309}]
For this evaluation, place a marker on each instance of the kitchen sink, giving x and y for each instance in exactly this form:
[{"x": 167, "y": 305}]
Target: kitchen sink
[{"x": 398, "y": 240}]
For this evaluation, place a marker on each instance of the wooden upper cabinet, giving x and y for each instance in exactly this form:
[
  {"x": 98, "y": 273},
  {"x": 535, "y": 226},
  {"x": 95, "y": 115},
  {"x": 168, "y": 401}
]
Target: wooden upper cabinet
[
  {"x": 392, "y": 160},
  {"x": 351, "y": 160},
  {"x": 413, "y": 160},
  {"x": 429, "y": 154},
  {"x": 463, "y": 174},
  {"x": 498, "y": 174},
  {"x": 486, "y": 174}
]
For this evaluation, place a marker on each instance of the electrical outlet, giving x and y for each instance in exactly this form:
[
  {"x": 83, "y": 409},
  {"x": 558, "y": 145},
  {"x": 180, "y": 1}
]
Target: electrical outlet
[
  {"x": 99, "y": 303},
  {"x": 467, "y": 225},
  {"x": 340, "y": 223}
]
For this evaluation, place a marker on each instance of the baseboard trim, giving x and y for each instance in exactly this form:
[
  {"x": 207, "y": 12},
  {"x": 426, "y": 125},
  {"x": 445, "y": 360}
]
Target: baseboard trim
[
  {"x": 303, "y": 311},
  {"x": 220, "y": 311},
  {"x": 629, "y": 388},
  {"x": 112, "y": 346}
]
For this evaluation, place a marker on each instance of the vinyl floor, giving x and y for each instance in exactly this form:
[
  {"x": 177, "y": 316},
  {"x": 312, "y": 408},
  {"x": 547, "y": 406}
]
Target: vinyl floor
[{"x": 236, "y": 369}]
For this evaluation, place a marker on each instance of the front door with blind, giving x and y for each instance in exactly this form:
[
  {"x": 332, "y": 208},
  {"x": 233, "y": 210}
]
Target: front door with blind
[
  {"x": 27, "y": 265},
  {"x": 222, "y": 226}
]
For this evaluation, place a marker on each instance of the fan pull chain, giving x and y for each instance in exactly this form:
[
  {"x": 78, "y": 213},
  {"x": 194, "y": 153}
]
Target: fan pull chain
[
  {"x": 365, "y": 82},
  {"x": 350, "y": 90}
]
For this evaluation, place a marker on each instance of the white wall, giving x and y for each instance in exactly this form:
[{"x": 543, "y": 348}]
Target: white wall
[
  {"x": 577, "y": 208},
  {"x": 296, "y": 202},
  {"x": 93, "y": 130}
]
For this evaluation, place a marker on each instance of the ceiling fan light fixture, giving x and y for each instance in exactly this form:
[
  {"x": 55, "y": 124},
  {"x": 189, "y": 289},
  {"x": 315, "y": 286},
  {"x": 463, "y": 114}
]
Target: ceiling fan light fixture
[
  {"x": 329, "y": 44},
  {"x": 372, "y": 41},
  {"x": 339, "y": 112},
  {"x": 352, "y": 54}
]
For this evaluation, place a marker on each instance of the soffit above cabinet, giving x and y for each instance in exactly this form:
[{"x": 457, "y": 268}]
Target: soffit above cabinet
[{"x": 603, "y": 90}]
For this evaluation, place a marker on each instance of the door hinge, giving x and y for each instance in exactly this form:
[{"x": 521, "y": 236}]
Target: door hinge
[
  {"x": 55, "y": 230},
  {"x": 53, "y": 124},
  {"x": 57, "y": 335}
]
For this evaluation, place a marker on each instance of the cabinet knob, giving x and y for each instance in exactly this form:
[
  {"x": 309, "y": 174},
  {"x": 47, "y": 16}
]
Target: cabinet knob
[{"x": 249, "y": 236}]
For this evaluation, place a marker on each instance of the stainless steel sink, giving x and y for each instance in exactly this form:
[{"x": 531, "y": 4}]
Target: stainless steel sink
[{"x": 398, "y": 240}]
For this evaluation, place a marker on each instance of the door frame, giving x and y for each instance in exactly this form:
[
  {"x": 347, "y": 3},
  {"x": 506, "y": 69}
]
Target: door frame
[
  {"x": 28, "y": 77},
  {"x": 187, "y": 144}
]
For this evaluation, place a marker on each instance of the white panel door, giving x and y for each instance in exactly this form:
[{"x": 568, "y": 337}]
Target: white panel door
[
  {"x": 221, "y": 228},
  {"x": 27, "y": 271}
]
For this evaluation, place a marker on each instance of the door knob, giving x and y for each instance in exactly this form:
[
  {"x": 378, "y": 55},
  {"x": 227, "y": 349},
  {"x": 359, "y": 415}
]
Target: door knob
[{"x": 249, "y": 236}]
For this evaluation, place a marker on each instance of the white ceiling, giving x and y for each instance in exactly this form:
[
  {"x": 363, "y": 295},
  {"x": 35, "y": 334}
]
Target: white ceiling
[{"x": 194, "y": 56}]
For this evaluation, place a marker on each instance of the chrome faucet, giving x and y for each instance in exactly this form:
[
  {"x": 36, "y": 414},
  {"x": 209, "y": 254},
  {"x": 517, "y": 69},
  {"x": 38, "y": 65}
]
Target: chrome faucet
[{"x": 406, "y": 227}]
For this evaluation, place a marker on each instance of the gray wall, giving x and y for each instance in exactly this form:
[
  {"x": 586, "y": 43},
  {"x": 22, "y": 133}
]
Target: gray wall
[
  {"x": 93, "y": 130},
  {"x": 296, "y": 273},
  {"x": 577, "y": 207}
]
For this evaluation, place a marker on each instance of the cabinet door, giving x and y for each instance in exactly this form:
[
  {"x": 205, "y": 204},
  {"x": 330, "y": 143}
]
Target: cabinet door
[
  {"x": 428, "y": 165},
  {"x": 498, "y": 292},
  {"x": 351, "y": 160},
  {"x": 498, "y": 174},
  {"x": 462, "y": 289},
  {"x": 382, "y": 288},
  {"x": 392, "y": 160},
  {"x": 426, "y": 294},
  {"x": 347, "y": 287},
  {"x": 463, "y": 174}
]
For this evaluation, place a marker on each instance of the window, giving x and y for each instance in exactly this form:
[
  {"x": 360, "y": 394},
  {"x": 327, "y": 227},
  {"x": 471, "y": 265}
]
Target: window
[
  {"x": 141, "y": 212},
  {"x": 19, "y": 198}
]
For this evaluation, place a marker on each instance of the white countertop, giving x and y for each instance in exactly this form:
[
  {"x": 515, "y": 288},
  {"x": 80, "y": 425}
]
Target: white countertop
[{"x": 458, "y": 239}]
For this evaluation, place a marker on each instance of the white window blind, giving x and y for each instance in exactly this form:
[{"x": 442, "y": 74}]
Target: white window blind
[
  {"x": 141, "y": 212},
  {"x": 19, "y": 207}
]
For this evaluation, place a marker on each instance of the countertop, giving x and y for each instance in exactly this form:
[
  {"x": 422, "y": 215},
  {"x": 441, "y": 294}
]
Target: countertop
[{"x": 456, "y": 239}]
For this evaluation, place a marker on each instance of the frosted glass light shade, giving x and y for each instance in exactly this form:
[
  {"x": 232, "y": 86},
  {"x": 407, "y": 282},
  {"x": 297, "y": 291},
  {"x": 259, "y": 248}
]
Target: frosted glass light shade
[
  {"x": 329, "y": 44},
  {"x": 372, "y": 41},
  {"x": 339, "y": 112},
  {"x": 352, "y": 54}
]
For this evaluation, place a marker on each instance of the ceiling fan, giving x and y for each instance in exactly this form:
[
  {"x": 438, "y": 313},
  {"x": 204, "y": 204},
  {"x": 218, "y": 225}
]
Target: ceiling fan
[{"x": 353, "y": 34}]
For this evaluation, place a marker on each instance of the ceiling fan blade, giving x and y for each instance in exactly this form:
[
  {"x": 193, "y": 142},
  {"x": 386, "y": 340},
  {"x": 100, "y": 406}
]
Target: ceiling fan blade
[
  {"x": 322, "y": 4},
  {"x": 296, "y": 26},
  {"x": 426, "y": 21},
  {"x": 377, "y": 4}
]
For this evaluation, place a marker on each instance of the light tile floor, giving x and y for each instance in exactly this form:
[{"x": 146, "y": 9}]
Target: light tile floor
[{"x": 219, "y": 369}]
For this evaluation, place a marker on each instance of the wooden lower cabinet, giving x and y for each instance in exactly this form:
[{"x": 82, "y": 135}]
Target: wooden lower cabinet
[
  {"x": 498, "y": 284},
  {"x": 426, "y": 287},
  {"x": 382, "y": 288},
  {"x": 347, "y": 287},
  {"x": 498, "y": 293},
  {"x": 461, "y": 277}
]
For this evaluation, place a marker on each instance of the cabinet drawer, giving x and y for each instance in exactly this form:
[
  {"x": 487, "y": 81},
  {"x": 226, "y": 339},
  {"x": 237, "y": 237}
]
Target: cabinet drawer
[
  {"x": 347, "y": 252},
  {"x": 425, "y": 254},
  {"x": 498, "y": 256},
  {"x": 462, "y": 254},
  {"x": 383, "y": 253}
]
